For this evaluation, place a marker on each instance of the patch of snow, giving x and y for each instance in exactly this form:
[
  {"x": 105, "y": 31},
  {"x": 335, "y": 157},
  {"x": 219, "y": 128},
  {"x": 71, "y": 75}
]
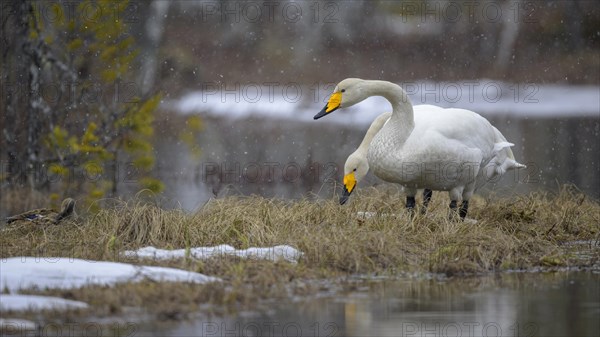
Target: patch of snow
[
  {"x": 486, "y": 97},
  {"x": 32, "y": 302},
  {"x": 16, "y": 326},
  {"x": 65, "y": 273},
  {"x": 369, "y": 215},
  {"x": 282, "y": 252}
]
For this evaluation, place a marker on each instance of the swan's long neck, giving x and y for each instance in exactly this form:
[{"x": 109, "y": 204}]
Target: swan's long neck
[
  {"x": 377, "y": 124},
  {"x": 402, "y": 110},
  {"x": 387, "y": 144}
]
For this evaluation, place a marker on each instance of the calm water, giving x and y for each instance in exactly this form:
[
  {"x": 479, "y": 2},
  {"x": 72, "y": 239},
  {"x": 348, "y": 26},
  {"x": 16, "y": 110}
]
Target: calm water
[
  {"x": 279, "y": 158},
  {"x": 517, "y": 304},
  {"x": 294, "y": 159}
]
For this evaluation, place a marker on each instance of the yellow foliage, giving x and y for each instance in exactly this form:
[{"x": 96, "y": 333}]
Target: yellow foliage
[
  {"x": 89, "y": 136},
  {"x": 93, "y": 169},
  {"x": 33, "y": 22},
  {"x": 106, "y": 48},
  {"x": 137, "y": 145},
  {"x": 75, "y": 44},
  {"x": 54, "y": 198},
  {"x": 74, "y": 144},
  {"x": 188, "y": 136},
  {"x": 144, "y": 162},
  {"x": 109, "y": 75},
  {"x": 96, "y": 193},
  {"x": 108, "y": 53},
  {"x": 152, "y": 184},
  {"x": 149, "y": 106},
  {"x": 57, "y": 14},
  {"x": 58, "y": 170},
  {"x": 59, "y": 137},
  {"x": 194, "y": 123}
]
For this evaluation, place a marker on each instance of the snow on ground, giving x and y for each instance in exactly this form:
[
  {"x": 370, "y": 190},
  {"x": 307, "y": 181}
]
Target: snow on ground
[
  {"x": 16, "y": 326},
  {"x": 33, "y": 302},
  {"x": 65, "y": 273},
  {"x": 276, "y": 253},
  {"x": 486, "y": 97}
]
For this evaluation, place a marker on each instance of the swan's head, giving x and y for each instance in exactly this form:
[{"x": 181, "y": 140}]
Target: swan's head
[
  {"x": 355, "y": 170},
  {"x": 347, "y": 93}
]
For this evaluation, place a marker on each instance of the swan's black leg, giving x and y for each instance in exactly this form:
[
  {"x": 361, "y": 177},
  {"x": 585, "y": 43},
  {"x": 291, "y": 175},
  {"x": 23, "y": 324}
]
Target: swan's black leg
[
  {"x": 426, "y": 199},
  {"x": 410, "y": 204},
  {"x": 464, "y": 208},
  {"x": 453, "y": 209}
]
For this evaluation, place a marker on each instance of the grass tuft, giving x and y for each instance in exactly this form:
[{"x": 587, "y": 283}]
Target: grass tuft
[{"x": 533, "y": 230}]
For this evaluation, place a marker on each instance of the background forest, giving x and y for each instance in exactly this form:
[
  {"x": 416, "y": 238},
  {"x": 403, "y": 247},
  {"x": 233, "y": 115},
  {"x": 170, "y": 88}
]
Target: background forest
[{"x": 83, "y": 81}]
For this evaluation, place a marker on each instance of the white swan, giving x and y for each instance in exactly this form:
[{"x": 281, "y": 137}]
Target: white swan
[
  {"x": 439, "y": 149},
  {"x": 357, "y": 165}
]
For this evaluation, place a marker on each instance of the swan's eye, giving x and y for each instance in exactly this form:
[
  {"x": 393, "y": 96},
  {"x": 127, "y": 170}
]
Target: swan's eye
[
  {"x": 343, "y": 90},
  {"x": 354, "y": 170}
]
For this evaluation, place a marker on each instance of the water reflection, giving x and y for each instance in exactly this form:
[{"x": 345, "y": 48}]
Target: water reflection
[
  {"x": 292, "y": 159},
  {"x": 519, "y": 304}
]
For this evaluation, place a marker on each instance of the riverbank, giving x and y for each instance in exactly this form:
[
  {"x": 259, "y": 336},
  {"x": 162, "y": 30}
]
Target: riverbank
[{"x": 371, "y": 236}]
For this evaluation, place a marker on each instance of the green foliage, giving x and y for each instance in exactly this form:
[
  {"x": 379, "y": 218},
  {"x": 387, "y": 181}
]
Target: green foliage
[
  {"x": 58, "y": 169},
  {"x": 92, "y": 133},
  {"x": 152, "y": 184},
  {"x": 193, "y": 126},
  {"x": 137, "y": 130}
]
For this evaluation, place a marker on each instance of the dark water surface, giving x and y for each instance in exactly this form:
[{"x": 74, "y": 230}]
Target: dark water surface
[
  {"x": 510, "y": 304},
  {"x": 292, "y": 159},
  {"x": 279, "y": 158}
]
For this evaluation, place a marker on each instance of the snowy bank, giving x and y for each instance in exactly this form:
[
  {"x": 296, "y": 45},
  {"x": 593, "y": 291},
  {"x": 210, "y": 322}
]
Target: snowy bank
[
  {"x": 487, "y": 97},
  {"x": 65, "y": 273},
  {"x": 276, "y": 253},
  {"x": 32, "y": 302},
  {"x": 16, "y": 326}
]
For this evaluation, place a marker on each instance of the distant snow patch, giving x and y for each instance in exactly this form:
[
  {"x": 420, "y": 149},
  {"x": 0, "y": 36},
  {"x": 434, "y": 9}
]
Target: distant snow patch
[
  {"x": 276, "y": 253},
  {"x": 16, "y": 326},
  {"x": 486, "y": 97},
  {"x": 65, "y": 273},
  {"x": 33, "y": 302}
]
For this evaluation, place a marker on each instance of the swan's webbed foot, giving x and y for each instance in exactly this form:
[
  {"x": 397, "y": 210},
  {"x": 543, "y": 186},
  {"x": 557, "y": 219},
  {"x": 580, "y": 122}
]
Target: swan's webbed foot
[{"x": 426, "y": 199}]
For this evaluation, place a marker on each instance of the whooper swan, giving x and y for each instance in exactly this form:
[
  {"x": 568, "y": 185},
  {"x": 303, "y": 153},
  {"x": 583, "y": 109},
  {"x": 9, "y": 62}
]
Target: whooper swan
[
  {"x": 438, "y": 149},
  {"x": 357, "y": 165}
]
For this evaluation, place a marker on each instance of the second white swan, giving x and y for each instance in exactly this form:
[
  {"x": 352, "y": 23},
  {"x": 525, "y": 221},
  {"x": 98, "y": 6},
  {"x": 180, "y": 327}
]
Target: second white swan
[{"x": 440, "y": 149}]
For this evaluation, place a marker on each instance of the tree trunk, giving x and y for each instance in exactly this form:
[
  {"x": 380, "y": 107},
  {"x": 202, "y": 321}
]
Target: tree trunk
[
  {"x": 509, "y": 34},
  {"x": 14, "y": 93},
  {"x": 150, "y": 42}
]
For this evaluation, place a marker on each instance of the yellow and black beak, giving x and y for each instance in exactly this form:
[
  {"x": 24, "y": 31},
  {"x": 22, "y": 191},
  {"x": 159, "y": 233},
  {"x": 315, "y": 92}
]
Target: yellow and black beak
[
  {"x": 333, "y": 104},
  {"x": 349, "y": 184}
]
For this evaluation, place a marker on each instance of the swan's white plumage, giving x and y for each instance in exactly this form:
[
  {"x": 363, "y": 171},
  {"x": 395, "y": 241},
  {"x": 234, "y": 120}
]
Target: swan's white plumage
[
  {"x": 426, "y": 146},
  {"x": 357, "y": 161}
]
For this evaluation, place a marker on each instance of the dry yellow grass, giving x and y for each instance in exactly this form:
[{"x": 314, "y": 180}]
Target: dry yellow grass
[{"x": 520, "y": 232}]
